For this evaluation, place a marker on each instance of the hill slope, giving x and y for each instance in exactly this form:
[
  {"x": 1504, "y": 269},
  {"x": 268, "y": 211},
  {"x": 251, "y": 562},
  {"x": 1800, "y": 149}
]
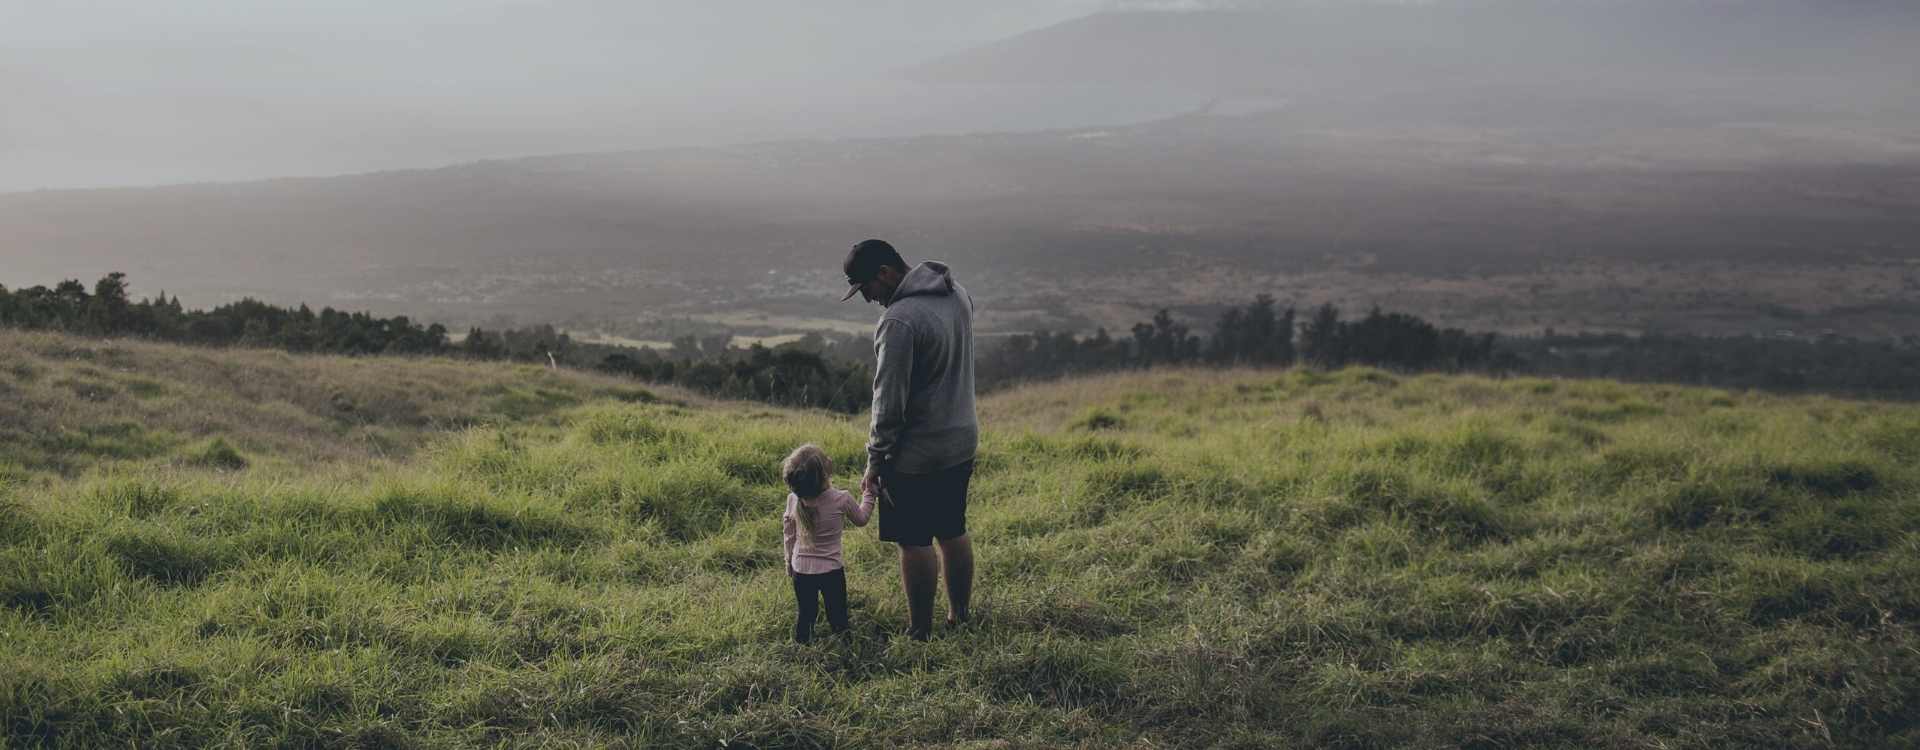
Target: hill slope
[
  {"x": 71, "y": 404},
  {"x": 1167, "y": 558}
]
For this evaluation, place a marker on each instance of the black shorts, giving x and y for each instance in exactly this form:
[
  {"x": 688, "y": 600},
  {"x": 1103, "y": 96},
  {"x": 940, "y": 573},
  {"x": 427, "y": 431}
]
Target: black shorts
[{"x": 925, "y": 506}]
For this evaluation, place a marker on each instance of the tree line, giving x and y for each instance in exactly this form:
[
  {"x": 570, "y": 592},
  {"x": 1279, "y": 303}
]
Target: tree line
[
  {"x": 1257, "y": 334},
  {"x": 803, "y": 374},
  {"x": 107, "y": 311},
  {"x": 1828, "y": 364},
  {"x": 835, "y": 371},
  {"x": 1263, "y": 335},
  {"x": 830, "y": 372}
]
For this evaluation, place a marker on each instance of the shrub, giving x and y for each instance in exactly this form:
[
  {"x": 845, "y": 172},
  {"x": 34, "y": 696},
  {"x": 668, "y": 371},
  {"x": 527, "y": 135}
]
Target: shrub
[
  {"x": 1096, "y": 420},
  {"x": 218, "y": 455}
]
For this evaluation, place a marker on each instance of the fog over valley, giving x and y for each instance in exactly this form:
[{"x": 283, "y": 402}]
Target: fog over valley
[
  {"x": 124, "y": 93},
  {"x": 1714, "y": 167}
]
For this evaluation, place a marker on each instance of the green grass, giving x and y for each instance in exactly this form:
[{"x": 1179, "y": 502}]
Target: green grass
[
  {"x": 1169, "y": 559},
  {"x": 71, "y": 405}
]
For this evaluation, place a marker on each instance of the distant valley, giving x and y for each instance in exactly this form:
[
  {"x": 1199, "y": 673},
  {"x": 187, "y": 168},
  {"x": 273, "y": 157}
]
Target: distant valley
[{"x": 1702, "y": 203}]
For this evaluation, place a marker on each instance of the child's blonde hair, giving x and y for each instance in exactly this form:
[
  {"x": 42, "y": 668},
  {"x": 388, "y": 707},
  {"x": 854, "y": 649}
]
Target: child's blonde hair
[{"x": 808, "y": 472}]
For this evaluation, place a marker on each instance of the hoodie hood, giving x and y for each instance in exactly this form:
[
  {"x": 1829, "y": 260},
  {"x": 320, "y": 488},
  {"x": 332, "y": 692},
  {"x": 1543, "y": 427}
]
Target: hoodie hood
[{"x": 928, "y": 278}]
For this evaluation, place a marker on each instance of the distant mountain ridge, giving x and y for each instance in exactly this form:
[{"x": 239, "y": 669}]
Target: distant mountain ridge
[
  {"x": 1314, "y": 47},
  {"x": 1606, "y": 177}
]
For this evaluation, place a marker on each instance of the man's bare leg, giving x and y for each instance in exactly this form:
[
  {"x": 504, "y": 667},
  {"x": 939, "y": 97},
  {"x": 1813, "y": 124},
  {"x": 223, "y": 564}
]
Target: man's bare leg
[
  {"x": 956, "y": 555},
  {"x": 919, "y": 576}
]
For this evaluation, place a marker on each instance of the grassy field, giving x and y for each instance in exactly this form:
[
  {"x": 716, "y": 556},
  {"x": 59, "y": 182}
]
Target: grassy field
[
  {"x": 69, "y": 405},
  {"x": 1171, "y": 558}
]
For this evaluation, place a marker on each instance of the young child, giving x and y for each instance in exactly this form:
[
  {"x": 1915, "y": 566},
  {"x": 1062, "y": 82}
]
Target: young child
[{"x": 816, "y": 514}]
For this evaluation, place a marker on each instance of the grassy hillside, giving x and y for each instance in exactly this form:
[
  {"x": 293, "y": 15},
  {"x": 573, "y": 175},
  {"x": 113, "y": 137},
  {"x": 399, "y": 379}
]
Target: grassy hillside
[
  {"x": 69, "y": 404},
  {"x": 1259, "y": 559}
]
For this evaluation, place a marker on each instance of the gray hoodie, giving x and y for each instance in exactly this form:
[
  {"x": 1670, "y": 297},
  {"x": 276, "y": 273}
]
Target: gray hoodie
[{"x": 923, "y": 417}]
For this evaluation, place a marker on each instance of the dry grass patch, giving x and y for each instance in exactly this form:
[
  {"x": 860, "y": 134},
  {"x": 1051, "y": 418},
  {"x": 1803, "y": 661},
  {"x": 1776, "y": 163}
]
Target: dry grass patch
[{"x": 73, "y": 404}]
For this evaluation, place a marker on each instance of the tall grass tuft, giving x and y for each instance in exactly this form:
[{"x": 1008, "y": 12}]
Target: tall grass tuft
[{"x": 218, "y": 455}]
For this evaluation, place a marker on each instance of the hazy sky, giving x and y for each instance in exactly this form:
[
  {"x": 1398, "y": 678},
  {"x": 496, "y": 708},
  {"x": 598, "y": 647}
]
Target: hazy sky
[
  {"x": 114, "y": 92},
  {"x": 133, "y": 92}
]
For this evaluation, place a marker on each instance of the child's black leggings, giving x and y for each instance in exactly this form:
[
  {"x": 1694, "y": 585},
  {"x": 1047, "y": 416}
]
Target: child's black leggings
[{"x": 808, "y": 589}]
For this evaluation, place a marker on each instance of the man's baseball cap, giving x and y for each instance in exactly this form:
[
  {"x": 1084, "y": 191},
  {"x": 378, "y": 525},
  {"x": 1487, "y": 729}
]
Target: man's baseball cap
[{"x": 864, "y": 262}]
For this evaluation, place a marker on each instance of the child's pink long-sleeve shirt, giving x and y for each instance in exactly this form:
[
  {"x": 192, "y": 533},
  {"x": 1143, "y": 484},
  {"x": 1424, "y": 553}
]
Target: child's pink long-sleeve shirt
[{"x": 820, "y": 553}]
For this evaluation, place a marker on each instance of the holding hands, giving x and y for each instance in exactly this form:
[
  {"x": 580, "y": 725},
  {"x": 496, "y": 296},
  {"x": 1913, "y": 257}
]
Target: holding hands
[{"x": 872, "y": 486}]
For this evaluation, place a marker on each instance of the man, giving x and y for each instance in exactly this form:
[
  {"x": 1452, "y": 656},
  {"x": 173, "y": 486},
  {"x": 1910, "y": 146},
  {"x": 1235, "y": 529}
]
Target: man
[{"x": 920, "y": 450}]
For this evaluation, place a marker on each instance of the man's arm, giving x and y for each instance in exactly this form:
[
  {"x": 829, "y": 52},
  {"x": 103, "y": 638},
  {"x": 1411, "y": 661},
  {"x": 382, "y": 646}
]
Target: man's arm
[{"x": 892, "y": 378}]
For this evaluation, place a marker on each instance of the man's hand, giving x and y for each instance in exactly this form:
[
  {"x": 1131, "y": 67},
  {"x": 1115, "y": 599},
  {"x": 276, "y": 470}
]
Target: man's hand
[{"x": 871, "y": 485}]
